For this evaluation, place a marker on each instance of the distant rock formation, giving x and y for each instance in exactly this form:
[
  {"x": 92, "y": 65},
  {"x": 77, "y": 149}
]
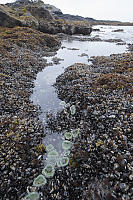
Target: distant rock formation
[{"x": 40, "y": 16}]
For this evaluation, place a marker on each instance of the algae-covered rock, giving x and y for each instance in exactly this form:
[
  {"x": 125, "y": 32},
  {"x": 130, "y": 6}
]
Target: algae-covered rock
[
  {"x": 6, "y": 19},
  {"x": 37, "y": 15},
  {"x": 27, "y": 38}
]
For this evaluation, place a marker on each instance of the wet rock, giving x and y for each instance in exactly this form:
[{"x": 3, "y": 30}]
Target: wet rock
[
  {"x": 130, "y": 47},
  {"x": 57, "y": 60},
  {"x": 95, "y": 29},
  {"x": 118, "y": 30},
  {"x": 121, "y": 43},
  {"x": 73, "y": 49},
  {"x": 83, "y": 55},
  {"x": 55, "y": 26},
  {"x": 113, "y": 40}
]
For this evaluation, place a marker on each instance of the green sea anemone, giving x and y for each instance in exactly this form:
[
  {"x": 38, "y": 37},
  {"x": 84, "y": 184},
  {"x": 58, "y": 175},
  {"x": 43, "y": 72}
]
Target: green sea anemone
[
  {"x": 49, "y": 147},
  {"x": 66, "y": 144},
  {"x": 68, "y": 135},
  {"x": 75, "y": 133},
  {"x": 32, "y": 196},
  {"x": 39, "y": 181},
  {"x": 64, "y": 161},
  {"x": 53, "y": 153},
  {"x": 48, "y": 171},
  {"x": 52, "y": 160}
]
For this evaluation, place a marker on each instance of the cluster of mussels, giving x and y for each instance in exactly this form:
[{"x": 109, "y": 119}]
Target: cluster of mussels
[
  {"x": 101, "y": 161},
  {"x": 21, "y": 131}
]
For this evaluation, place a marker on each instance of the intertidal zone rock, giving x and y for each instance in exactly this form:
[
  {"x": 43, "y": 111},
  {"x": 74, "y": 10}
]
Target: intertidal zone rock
[{"x": 35, "y": 15}]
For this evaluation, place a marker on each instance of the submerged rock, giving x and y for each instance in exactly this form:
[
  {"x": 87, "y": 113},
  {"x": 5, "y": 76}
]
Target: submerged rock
[
  {"x": 118, "y": 30},
  {"x": 130, "y": 47}
]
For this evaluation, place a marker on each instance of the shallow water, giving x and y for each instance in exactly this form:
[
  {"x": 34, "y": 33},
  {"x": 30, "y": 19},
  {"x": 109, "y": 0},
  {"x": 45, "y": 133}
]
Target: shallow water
[
  {"x": 44, "y": 94},
  {"x": 106, "y": 32}
]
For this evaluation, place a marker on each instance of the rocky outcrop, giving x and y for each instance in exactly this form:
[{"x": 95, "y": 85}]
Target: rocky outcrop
[
  {"x": 72, "y": 17},
  {"x": 36, "y": 15},
  {"x": 40, "y": 13},
  {"x": 7, "y": 20},
  {"x": 52, "y": 9},
  {"x": 84, "y": 30},
  {"x": 54, "y": 27}
]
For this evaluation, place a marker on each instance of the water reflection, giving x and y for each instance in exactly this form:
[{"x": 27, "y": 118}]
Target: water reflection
[{"x": 44, "y": 93}]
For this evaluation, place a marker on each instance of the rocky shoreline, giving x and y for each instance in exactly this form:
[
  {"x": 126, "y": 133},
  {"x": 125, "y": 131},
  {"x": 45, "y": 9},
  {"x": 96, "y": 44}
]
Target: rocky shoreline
[
  {"x": 101, "y": 160},
  {"x": 21, "y": 131}
]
